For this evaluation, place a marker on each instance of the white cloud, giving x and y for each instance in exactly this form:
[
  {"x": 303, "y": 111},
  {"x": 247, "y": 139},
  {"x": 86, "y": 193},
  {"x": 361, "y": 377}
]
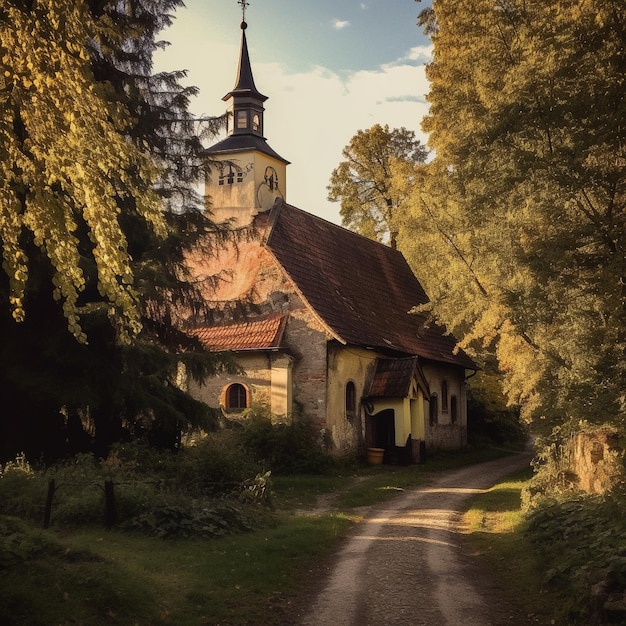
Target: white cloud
[
  {"x": 311, "y": 116},
  {"x": 364, "y": 6},
  {"x": 419, "y": 53},
  {"x": 340, "y": 24}
]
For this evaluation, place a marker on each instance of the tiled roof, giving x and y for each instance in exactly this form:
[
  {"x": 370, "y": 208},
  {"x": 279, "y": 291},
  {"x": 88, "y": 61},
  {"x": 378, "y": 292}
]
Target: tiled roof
[
  {"x": 392, "y": 378},
  {"x": 256, "y": 335},
  {"x": 362, "y": 290}
]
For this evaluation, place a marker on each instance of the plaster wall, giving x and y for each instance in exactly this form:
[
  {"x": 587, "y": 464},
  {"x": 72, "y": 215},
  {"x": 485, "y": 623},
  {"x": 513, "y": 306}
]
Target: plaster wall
[
  {"x": 347, "y": 364},
  {"x": 256, "y": 378},
  {"x": 446, "y": 432},
  {"x": 249, "y": 193}
]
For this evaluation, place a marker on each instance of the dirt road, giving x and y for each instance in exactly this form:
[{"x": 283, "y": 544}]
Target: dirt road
[{"x": 407, "y": 564}]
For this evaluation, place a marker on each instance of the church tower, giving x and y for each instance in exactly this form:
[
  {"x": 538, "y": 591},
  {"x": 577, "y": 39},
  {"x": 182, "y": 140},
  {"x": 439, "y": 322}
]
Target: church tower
[{"x": 245, "y": 175}]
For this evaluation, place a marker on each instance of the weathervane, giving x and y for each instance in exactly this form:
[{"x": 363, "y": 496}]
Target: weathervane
[{"x": 243, "y": 4}]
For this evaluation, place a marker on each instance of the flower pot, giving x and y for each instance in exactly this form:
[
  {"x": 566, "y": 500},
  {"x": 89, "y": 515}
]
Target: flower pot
[{"x": 375, "y": 456}]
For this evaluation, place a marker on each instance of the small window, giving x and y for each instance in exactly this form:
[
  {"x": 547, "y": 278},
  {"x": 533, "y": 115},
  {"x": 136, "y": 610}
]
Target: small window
[
  {"x": 256, "y": 122},
  {"x": 444, "y": 396},
  {"x": 453, "y": 409},
  {"x": 236, "y": 397},
  {"x": 434, "y": 409},
  {"x": 242, "y": 119},
  {"x": 350, "y": 399}
]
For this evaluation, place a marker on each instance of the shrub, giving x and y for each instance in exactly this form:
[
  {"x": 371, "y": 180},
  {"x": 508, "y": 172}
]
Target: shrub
[
  {"x": 199, "y": 520},
  {"x": 22, "y": 490},
  {"x": 285, "y": 448},
  {"x": 217, "y": 464}
]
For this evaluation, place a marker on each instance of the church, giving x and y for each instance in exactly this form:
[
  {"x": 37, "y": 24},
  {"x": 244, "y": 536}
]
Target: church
[{"x": 318, "y": 318}]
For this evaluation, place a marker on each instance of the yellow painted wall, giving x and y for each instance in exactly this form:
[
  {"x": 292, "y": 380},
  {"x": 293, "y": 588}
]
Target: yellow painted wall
[
  {"x": 281, "y": 403},
  {"x": 243, "y": 200},
  {"x": 346, "y": 364}
]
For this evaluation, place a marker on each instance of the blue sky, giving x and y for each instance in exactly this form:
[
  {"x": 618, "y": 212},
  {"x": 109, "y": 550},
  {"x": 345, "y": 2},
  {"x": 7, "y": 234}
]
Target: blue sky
[{"x": 329, "y": 68}]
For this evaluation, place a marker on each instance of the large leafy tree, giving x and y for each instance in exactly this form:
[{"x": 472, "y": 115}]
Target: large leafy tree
[
  {"x": 519, "y": 231},
  {"x": 363, "y": 181},
  {"x": 98, "y": 160}
]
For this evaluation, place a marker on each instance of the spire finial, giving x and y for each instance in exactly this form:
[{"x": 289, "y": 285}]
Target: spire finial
[{"x": 243, "y": 4}]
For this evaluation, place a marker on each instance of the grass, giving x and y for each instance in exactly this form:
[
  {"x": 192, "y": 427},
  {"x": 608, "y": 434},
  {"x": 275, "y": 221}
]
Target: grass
[
  {"x": 96, "y": 577},
  {"x": 497, "y": 531},
  {"x": 100, "y": 578}
]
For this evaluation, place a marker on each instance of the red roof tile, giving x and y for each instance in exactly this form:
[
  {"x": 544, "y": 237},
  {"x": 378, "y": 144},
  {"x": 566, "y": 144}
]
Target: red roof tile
[
  {"x": 363, "y": 290},
  {"x": 255, "y": 335}
]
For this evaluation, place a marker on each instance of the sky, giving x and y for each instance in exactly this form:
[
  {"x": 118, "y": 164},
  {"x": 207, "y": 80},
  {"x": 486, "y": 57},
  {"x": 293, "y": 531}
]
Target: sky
[{"x": 328, "y": 67}]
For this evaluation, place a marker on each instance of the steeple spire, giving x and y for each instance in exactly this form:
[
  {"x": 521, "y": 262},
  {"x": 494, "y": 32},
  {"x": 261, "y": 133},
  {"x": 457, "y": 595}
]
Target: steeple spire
[{"x": 247, "y": 101}]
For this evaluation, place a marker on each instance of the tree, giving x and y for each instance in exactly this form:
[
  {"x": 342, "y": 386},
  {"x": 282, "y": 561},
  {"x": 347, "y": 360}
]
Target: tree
[
  {"x": 520, "y": 227},
  {"x": 362, "y": 183},
  {"x": 98, "y": 160}
]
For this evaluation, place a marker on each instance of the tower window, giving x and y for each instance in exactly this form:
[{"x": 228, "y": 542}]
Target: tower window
[
  {"x": 242, "y": 119},
  {"x": 228, "y": 178},
  {"x": 256, "y": 122},
  {"x": 236, "y": 397},
  {"x": 453, "y": 409},
  {"x": 350, "y": 400}
]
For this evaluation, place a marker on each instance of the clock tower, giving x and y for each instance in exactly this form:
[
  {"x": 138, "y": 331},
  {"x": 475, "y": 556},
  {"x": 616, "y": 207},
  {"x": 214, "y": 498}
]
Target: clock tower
[{"x": 245, "y": 175}]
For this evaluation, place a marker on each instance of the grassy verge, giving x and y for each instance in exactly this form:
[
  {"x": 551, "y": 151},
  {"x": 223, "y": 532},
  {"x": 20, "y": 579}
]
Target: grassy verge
[
  {"x": 496, "y": 529},
  {"x": 549, "y": 562},
  {"x": 97, "y": 577}
]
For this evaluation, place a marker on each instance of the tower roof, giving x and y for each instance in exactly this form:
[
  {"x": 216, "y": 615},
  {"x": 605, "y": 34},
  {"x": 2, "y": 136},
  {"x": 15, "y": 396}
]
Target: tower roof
[
  {"x": 244, "y": 85},
  {"x": 246, "y": 122}
]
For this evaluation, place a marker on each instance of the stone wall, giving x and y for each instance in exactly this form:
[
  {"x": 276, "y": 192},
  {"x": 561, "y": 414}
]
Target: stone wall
[{"x": 594, "y": 460}]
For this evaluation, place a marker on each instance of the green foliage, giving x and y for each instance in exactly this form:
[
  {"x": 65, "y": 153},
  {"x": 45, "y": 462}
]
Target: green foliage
[
  {"x": 518, "y": 231},
  {"x": 285, "y": 447},
  {"x": 22, "y": 490},
  {"x": 215, "y": 520},
  {"x": 363, "y": 182},
  {"x": 555, "y": 479},
  {"x": 488, "y": 416},
  {"x": 99, "y": 161},
  {"x": 584, "y": 543}
]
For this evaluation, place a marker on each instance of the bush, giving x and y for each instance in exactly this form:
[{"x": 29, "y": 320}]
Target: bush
[
  {"x": 285, "y": 448},
  {"x": 198, "y": 520},
  {"x": 22, "y": 490}
]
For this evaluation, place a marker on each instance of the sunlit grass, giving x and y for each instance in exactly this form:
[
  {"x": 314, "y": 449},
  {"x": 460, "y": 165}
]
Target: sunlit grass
[
  {"x": 99, "y": 578},
  {"x": 494, "y": 524}
]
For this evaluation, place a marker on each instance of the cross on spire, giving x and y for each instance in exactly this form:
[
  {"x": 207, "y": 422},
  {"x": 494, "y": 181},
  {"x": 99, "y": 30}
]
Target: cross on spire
[{"x": 243, "y": 4}]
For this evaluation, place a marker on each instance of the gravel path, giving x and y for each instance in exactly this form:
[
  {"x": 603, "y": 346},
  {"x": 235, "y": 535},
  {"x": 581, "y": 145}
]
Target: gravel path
[{"x": 408, "y": 564}]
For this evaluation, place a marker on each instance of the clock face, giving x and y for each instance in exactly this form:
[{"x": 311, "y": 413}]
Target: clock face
[{"x": 269, "y": 189}]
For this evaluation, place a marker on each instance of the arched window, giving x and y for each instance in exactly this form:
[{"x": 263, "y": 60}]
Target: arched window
[
  {"x": 236, "y": 397},
  {"x": 433, "y": 412},
  {"x": 444, "y": 396},
  {"x": 453, "y": 409},
  {"x": 350, "y": 399}
]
